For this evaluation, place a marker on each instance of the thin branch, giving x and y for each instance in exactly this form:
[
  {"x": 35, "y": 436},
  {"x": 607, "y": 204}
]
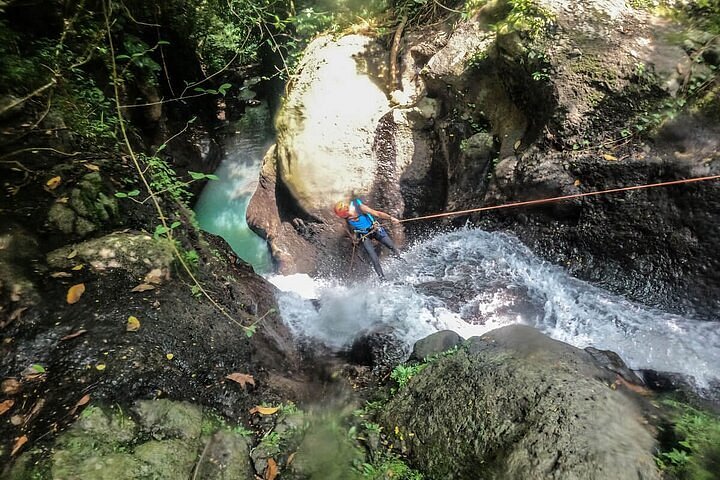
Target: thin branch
[
  {"x": 27, "y": 97},
  {"x": 159, "y": 102},
  {"x": 130, "y": 16},
  {"x": 394, "y": 66},
  {"x": 39, "y": 149},
  {"x": 212, "y": 75},
  {"x": 446, "y": 8},
  {"x": 202, "y": 456}
]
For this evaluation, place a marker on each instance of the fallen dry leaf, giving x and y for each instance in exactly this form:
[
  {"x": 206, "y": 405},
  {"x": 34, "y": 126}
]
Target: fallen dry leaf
[
  {"x": 35, "y": 411},
  {"x": 609, "y": 158},
  {"x": 83, "y": 401},
  {"x": 640, "y": 390},
  {"x": 6, "y": 405},
  {"x": 133, "y": 324},
  {"x": 290, "y": 459},
  {"x": 16, "y": 292},
  {"x": 241, "y": 378},
  {"x": 142, "y": 288},
  {"x": 72, "y": 254},
  {"x": 53, "y": 183},
  {"x": 17, "y": 420},
  {"x": 78, "y": 267},
  {"x": 18, "y": 445},
  {"x": 75, "y": 292},
  {"x": 33, "y": 372},
  {"x": 92, "y": 166},
  {"x": 154, "y": 276},
  {"x": 264, "y": 410},
  {"x": 60, "y": 275},
  {"x": 62, "y": 200},
  {"x": 272, "y": 469},
  {"x": 10, "y": 386},
  {"x": 577, "y": 183},
  {"x": 73, "y": 335}
]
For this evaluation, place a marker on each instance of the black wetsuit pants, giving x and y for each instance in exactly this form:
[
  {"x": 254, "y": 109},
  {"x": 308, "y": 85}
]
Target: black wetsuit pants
[{"x": 381, "y": 236}]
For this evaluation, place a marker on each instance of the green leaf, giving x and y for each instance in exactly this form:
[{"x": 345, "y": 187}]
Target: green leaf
[
  {"x": 133, "y": 193},
  {"x": 192, "y": 120},
  {"x": 223, "y": 88},
  {"x": 121, "y": 194},
  {"x": 161, "y": 148},
  {"x": 38, "y": 368},
  {"x": 163, "y": 42},
  {"x": 175, "y": 224},
  {"x": 250, "y": 331},
  {"x": 161, "y": 229},
  {"x": 196, "y": 175},
  {"x": 212, "y": 176},
  {"x": 122, "y": 57},
  {"x": 199, "y": 89},
  {"x": 212, "y": 92}
]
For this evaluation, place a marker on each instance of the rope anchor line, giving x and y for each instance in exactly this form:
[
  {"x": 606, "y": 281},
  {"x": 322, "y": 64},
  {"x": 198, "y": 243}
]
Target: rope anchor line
[{"x": 563, "y": 197}]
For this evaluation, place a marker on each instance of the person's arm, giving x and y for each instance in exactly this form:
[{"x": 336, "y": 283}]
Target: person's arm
[
  {"x": 349, "y": 233},
  {"x": 377, "y": 213}
]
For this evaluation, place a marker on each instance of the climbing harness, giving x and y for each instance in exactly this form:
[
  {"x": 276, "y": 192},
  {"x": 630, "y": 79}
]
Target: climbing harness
[{"x": 563, "y": 197}]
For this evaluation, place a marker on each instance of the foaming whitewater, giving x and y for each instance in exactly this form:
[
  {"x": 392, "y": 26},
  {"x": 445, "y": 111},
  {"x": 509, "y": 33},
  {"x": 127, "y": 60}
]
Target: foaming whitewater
[{"x": 472, "y": 281}]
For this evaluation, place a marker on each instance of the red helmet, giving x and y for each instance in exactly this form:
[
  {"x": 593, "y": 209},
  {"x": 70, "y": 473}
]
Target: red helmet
[{"x": 342, "y": 209}]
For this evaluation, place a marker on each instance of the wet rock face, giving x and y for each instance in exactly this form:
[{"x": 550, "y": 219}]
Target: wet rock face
[
  {"x": 515, "y": 404},
  {"x": 655, "y": 246},
  {"x": 379, "y": 349}
]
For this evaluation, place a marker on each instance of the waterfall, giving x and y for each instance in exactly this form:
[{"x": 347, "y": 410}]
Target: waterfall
[{"x": 472, "y": 281}]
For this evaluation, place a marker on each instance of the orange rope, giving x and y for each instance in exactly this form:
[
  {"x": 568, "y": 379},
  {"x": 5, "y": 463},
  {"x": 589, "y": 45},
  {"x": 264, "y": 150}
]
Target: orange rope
[{"x": 564, "y": 197}]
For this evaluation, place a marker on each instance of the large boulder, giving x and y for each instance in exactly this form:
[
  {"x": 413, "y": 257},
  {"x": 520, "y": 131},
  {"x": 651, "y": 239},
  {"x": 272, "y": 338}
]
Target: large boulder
[
  {"x": 338, "y": 137},
  {"x": 326, "y": 125},
  {"x": 515, "y": 404}
]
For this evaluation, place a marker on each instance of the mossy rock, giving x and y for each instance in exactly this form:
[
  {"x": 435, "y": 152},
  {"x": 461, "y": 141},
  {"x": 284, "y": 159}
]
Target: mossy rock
[
  {"x": 108, "y": 444},
  {"x": 515, "y": 404},
  {"x": 135, "y": 253},
  {"x": 167, "y": 419},
  {"x": 227, "y": 456},
  {"x": 169, "y": 458},
  {"x": 87, "y": 209}
]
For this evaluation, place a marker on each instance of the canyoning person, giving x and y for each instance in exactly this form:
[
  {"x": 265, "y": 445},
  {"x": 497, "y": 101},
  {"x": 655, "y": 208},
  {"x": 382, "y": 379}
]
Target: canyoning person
[{"x": 362, "y": 227}]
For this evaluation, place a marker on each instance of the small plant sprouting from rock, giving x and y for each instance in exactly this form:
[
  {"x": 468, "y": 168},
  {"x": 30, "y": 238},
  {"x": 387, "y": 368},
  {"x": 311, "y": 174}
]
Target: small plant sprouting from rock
[{"x": 403, "y": 373}]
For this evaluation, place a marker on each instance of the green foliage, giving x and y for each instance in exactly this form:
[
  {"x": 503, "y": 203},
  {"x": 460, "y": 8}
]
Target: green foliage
[
  {"x": 191, "y": 258},
  {"x": 164, "y": 179},
  {"x": 527, "y": 17},
  {"x": 403, "y": 373},
  {"x": 391, "y": 467},
  {"x": 694, "y": 453}
]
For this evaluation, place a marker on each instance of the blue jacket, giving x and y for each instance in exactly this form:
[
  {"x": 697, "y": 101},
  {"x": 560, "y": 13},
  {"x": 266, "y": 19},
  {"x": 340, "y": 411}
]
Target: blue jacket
[{"x": 364, "y": 222}]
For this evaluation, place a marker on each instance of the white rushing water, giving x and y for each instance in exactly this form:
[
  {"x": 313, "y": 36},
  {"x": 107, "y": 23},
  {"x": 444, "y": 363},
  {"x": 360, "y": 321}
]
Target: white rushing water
[{"x": 472, "y": 281}]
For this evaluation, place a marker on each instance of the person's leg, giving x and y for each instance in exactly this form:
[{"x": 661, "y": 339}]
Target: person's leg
[
  {"x": 385, "y": 239},
  {"x": 370, "y": 249}
]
